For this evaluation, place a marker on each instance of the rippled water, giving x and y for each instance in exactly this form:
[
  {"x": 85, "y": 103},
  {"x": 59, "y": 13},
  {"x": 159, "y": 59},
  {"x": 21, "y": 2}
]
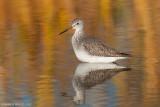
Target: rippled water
[{"x": 38, "y": 68}]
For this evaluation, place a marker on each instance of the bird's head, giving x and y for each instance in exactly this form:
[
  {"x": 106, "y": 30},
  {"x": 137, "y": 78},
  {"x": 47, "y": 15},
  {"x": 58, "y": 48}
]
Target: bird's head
[{"x": 77, "y": 23}]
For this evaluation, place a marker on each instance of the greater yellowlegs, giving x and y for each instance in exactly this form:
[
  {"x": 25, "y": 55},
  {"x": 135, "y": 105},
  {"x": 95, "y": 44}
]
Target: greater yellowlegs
[{"x": 91, "y": 49}]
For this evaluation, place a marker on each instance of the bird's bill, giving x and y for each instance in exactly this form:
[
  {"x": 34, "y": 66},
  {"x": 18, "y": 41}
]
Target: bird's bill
[{"x": 66, "y": 30}]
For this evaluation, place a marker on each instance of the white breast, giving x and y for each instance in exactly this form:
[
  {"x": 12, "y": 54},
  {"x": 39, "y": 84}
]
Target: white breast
[{"x": 83, "y": 56}]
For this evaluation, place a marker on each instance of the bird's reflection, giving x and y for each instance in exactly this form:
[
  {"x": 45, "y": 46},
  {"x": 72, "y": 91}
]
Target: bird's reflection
[{"x": 88, "y": 75}]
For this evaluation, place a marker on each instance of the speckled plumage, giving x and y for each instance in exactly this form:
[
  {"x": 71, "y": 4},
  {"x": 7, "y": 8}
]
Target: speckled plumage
[{"x": 98, "y": 47}]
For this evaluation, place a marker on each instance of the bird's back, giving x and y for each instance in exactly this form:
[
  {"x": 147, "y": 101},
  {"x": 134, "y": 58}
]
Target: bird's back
[{"x": 97, "y": 47}]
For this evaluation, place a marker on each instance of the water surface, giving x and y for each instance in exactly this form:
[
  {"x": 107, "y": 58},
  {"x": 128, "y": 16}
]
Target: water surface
[{"x": 38, "y": 67}]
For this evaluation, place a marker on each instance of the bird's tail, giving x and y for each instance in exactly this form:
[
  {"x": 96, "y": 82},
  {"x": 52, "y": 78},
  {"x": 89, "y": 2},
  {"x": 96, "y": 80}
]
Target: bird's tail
[{"x": 124, "y": 55}]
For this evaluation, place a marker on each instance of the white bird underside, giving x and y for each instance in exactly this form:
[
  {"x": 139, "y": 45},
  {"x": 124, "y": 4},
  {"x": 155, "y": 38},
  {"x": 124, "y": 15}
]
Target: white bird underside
[{"x": 86, "y": 57}]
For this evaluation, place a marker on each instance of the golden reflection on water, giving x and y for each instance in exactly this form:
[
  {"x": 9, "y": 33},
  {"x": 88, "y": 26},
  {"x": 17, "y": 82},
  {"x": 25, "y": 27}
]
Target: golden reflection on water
[{"x": 32, "y": 53}]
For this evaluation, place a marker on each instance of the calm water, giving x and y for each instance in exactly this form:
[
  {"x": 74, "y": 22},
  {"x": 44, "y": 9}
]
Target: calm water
[{"x": 38, "y": 68}]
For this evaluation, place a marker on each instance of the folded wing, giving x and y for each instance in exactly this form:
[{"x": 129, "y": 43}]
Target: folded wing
[{"x": 97, "y": 47}]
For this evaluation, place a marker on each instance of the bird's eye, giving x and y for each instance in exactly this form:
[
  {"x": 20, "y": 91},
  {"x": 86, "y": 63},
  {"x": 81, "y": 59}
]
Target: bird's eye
[{"x": 77, "y": 23}]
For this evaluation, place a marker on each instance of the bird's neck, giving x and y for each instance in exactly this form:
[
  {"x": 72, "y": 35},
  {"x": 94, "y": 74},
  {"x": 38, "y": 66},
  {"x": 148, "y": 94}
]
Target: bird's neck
[
  {"x": 78, "y": 35},
  {"x": 79, "y": 32}
]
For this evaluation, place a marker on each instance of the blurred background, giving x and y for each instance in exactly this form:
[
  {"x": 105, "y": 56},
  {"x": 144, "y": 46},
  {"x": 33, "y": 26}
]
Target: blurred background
[{"x": 37, "y": 65}]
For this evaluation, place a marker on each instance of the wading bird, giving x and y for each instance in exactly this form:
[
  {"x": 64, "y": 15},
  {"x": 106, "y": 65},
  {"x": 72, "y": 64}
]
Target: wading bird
[{"x": 90, "y": 49}]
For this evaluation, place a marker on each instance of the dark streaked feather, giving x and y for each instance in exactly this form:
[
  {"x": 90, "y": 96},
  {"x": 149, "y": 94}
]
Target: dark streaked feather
[{"x": 98, "y": 47}]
